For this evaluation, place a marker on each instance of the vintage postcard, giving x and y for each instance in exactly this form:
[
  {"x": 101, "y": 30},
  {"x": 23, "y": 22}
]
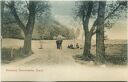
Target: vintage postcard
[{"x": 61, "y": 40}]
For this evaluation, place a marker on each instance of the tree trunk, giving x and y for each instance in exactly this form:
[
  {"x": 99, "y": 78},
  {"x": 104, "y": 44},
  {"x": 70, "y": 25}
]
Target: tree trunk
[
  {"x": 27, "y": 44},
  {"x": 87, "y": 47},
  {"x": 100, "y": 47},
  {"x": 2, "y": 12},
  {"x": 29, "y": 29},
  {"x": 28, "y": 35},
  {"x": 2, "y": 19}
]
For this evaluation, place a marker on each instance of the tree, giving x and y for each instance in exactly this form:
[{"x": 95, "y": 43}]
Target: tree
[
  {"x": 34, "y": 8},
  {"x": 100, "y": 47},
  {"x": 50, "y": 28},
  {"x": 84, "y": 12},
  {"x": 87, "y": 10},
  {"x": 9, "y": 28},
  {"x": 2, "y": 11}
]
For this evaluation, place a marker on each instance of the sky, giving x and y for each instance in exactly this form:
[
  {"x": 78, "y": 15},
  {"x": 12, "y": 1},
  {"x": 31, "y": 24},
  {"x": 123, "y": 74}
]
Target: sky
[{"x": 62, "y": 11}]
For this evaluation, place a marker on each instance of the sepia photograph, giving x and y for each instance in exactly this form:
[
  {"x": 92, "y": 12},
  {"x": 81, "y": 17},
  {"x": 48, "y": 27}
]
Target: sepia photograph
[{"x": 75, "y": 40}]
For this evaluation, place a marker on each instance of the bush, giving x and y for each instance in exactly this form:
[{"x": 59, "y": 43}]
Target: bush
[
  {"x": 10, "y": 54},
  {"x": 110, "y": 59},
  {"x": 6, "y": 53},
  {"x": 11, "y": 31},
  {"x": 116, "y": 59}
]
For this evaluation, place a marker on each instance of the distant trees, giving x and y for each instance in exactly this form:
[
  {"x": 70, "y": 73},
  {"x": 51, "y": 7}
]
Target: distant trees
[
  {"x": 105, "y": 15},
  {"x": 52, "y": 29},
  {"x": 43, "y": 22},
  {"x": 26, "y": 11},
  {"x": 49, "y": 28},
  {"x": 45, "y": 26},
  {"x": 59, "y": 29}
]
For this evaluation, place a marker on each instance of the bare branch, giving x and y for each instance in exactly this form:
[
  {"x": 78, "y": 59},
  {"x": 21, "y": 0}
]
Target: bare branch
[
  {"x": 6, "y": 4},
  {"x": 88, "y": 15},
  {"x": 92, "y": 30},
  {"x": 13, "y": 9},
  {"x": 27, "y": 3},
  {"x": 110, "y": 14},
  {"x": 31, "y": 17},
  {"x": 93, "y": 26}
]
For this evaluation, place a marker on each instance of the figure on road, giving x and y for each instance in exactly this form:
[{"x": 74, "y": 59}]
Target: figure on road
[{"x": 59, "y": 42}]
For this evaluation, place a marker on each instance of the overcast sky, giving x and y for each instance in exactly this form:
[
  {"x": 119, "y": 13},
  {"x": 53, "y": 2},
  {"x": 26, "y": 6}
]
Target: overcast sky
[{"x": 63, "y": 12}]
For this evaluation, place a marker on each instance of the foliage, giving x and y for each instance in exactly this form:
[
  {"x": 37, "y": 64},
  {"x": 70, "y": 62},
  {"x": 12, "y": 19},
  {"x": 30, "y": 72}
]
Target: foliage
[
  {"x": 44, "y": 23},
  {"x": 51, "y": 30},
  {"x": 9, "y": 27},
  {"x": 10, "y": 53},
  {"x": 115, "y": 10},
  {"x": 11, "y": 31},
  {"x": 104, "y": 16},
  {"x": 116, "y": 59}
]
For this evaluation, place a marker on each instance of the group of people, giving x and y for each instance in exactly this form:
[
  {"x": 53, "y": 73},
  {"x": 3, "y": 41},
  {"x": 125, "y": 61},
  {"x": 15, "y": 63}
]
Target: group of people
[
  {"x": 71, "y": 46},
  {"x": 74, "y": 47},
  {"x": 59, "y": 42}
]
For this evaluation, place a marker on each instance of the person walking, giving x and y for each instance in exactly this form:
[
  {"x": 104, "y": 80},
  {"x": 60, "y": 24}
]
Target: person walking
[{"x": 59, "y": 42}]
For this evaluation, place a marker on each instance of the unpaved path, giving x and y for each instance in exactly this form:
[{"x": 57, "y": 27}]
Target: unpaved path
[
  {"x": 58, "y": 65},
  {"x": 49, "y": 55}
]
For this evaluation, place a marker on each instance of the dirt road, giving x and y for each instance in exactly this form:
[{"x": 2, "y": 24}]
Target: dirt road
[
  {"x": 49, "y": 55},
  {"x": 56, "y": 65}
]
